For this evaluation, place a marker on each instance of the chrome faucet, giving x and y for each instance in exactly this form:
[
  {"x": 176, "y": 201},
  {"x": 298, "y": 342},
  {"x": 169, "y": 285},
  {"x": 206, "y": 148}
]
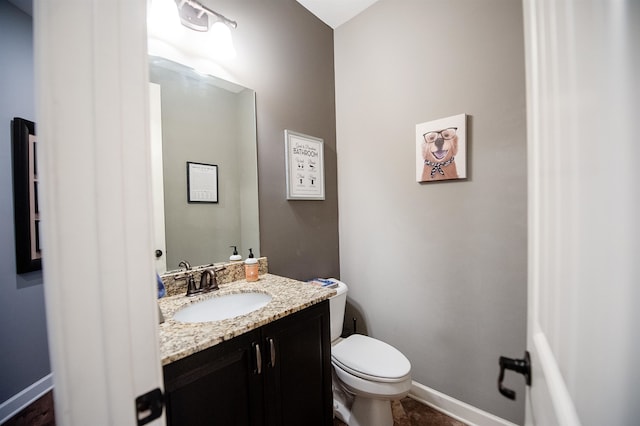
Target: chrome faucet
[{"x": 208, "y": 281}]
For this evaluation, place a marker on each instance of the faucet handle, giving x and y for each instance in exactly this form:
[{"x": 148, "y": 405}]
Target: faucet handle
[
  {"x": 192, "y": 290},
  {"x": 184, "y": 264}
]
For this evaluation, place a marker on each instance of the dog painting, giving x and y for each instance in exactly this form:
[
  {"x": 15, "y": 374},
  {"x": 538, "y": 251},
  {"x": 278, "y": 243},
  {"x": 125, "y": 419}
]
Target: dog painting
[{"x": 441, "y": 149}]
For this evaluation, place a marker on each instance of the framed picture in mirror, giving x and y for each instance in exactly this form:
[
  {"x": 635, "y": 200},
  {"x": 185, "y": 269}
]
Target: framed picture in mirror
[
  {"x": 25, "y": 196},
  {"x": 202, "y": 183}
]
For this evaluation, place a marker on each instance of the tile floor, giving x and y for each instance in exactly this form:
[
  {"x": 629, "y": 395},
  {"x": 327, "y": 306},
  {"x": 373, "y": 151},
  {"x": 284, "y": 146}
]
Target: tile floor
[
  {"x": 406, "y": 412},
  {"x": 409, "y": 412},
  {"x": 39, "y": 413}
]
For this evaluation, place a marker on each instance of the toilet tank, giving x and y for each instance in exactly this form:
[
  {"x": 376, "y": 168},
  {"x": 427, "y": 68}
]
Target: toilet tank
[{"x": 337, "y": 305}]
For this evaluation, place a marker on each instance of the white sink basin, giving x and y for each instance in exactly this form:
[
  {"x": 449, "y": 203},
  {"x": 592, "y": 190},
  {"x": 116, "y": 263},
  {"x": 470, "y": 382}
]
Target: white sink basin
[{"x": 222, "y": 307}]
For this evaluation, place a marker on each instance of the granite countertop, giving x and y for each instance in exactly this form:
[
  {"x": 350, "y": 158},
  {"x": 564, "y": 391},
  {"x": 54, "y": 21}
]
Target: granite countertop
[{"x": 179, "y": 340}]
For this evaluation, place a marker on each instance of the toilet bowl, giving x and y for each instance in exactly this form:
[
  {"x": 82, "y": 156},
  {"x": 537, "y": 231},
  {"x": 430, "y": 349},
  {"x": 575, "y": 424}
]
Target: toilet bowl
[{"x": 367, "y": 373}]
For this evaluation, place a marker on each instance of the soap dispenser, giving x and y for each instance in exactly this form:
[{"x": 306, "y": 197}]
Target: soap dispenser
[
  {"x": 235, "y": 255},
  {"x": 251, "y": 267}
]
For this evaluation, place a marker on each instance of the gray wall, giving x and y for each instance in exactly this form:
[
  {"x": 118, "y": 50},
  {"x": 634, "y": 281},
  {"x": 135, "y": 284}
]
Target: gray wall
[
  {"x": 248, "y": 176},
  {"x": 24, "y": 354},
  {"x": 437, "y": 269},
  {"x": 285, "y": 54}
]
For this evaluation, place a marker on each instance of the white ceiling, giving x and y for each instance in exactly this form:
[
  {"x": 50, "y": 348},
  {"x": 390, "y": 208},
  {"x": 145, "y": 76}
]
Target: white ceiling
[
  {"x": 332, "y": 12},
  {"x": 336, "y": 12}
]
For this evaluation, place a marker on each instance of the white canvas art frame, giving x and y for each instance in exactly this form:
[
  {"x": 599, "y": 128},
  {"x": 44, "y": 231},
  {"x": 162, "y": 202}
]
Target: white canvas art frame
[{"x": 441, "y": 149}]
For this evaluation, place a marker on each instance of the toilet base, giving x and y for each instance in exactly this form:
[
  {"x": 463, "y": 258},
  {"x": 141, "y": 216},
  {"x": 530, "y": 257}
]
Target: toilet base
[
  {"x": 357, "y": 409},
  {"x": 364, "y": 412},
  {"x": 371, "y": 412},
  {"x": 341, "y": 411}
]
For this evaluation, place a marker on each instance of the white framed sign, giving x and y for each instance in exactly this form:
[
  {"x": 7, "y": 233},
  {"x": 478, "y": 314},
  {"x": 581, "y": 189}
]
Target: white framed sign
[{"x": 304, "y": 157}]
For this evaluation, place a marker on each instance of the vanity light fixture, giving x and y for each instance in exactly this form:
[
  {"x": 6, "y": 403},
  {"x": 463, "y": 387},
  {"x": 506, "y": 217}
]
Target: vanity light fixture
[
  {"x": 203, "y": 39},
  {"x": 196, "y": 16}
]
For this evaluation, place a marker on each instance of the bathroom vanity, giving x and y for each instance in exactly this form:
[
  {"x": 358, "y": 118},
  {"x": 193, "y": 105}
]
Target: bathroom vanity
[{"x": 269, "y": 367}]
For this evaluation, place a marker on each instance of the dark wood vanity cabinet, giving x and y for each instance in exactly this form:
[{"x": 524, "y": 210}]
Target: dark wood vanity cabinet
[
  {"x": 217, "y": 386},
  {"x": 277, "y": 375},
  {"x": 298, "y": 373}
]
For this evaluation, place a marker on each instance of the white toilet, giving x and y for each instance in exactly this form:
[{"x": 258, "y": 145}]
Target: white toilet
[{"x": 367, "y": 373}]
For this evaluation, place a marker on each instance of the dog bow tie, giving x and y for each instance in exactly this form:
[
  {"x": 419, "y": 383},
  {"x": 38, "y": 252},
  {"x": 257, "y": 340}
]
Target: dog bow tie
[{"x": 437, "y": 167}]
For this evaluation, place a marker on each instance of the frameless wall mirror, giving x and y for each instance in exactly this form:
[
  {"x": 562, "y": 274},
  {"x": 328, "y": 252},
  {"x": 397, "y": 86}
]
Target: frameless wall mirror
[{"x": 206, "y": 120}]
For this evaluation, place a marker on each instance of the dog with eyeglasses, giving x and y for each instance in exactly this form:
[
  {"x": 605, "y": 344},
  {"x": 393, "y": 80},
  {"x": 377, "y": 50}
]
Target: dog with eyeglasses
[{"x": 439, "y": 149}]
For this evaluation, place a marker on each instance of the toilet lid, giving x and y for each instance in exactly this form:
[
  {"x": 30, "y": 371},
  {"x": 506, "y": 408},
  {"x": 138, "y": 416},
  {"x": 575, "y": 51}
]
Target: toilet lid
[{"x": 371, "y": 359}]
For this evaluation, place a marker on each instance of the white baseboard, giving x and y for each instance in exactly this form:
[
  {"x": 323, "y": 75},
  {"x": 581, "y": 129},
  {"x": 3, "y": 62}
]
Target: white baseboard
[
  {"x": 450, "y": 406},
  {"x": 16, "y": 403},
  {"x": 459, "y": 410}
]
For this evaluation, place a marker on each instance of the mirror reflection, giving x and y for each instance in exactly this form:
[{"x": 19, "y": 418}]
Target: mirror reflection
[{"x": 207, "y": 120}]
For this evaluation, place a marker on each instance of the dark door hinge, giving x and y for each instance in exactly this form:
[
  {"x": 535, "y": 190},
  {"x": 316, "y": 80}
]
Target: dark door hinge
[{"x": 149, "y": 406}]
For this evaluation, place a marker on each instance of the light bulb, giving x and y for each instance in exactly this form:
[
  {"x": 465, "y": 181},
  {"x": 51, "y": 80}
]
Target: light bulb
[
  {"x": 163, "y": 19},
  {"x": 221, "y": 42}
]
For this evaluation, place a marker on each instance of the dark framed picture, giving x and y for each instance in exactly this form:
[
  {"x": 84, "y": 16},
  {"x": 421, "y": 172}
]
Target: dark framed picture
[
  {"x": 25, "y": 196},
  {"x": 202, "y": 183}
]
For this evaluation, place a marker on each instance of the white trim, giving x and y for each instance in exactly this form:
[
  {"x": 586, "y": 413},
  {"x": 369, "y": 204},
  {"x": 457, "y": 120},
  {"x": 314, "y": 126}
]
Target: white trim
[
  {"x": 565, "y": 410},
  {"x": 28, "y": 395},
  {"x": 458, "y": 410},
  {"x": 157, "y": 179}
]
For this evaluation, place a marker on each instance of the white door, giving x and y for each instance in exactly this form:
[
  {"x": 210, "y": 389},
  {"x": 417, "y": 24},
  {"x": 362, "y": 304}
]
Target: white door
[
  {"x": 157, "y": 177},
  {"x": 582, "y": 61},
  {"x": 92, "y": 102}
]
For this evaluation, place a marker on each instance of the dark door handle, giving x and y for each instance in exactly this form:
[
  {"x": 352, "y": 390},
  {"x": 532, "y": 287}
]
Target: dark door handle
[
  {"x": 522, "y": 366},
  {"x": 158, "y": 253}
]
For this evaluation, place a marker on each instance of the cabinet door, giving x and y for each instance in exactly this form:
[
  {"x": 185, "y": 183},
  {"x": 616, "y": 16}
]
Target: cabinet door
[
  {"x": 217, "y": 386},
  {"x": 298, "y": 369}
]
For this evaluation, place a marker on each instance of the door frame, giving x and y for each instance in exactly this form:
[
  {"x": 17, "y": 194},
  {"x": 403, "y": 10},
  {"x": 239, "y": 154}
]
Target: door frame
[{"x": 157, "y": 176}]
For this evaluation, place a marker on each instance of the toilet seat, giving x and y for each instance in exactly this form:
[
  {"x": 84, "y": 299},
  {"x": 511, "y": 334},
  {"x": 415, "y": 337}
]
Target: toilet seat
[{"x": 371, "y": 359}]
